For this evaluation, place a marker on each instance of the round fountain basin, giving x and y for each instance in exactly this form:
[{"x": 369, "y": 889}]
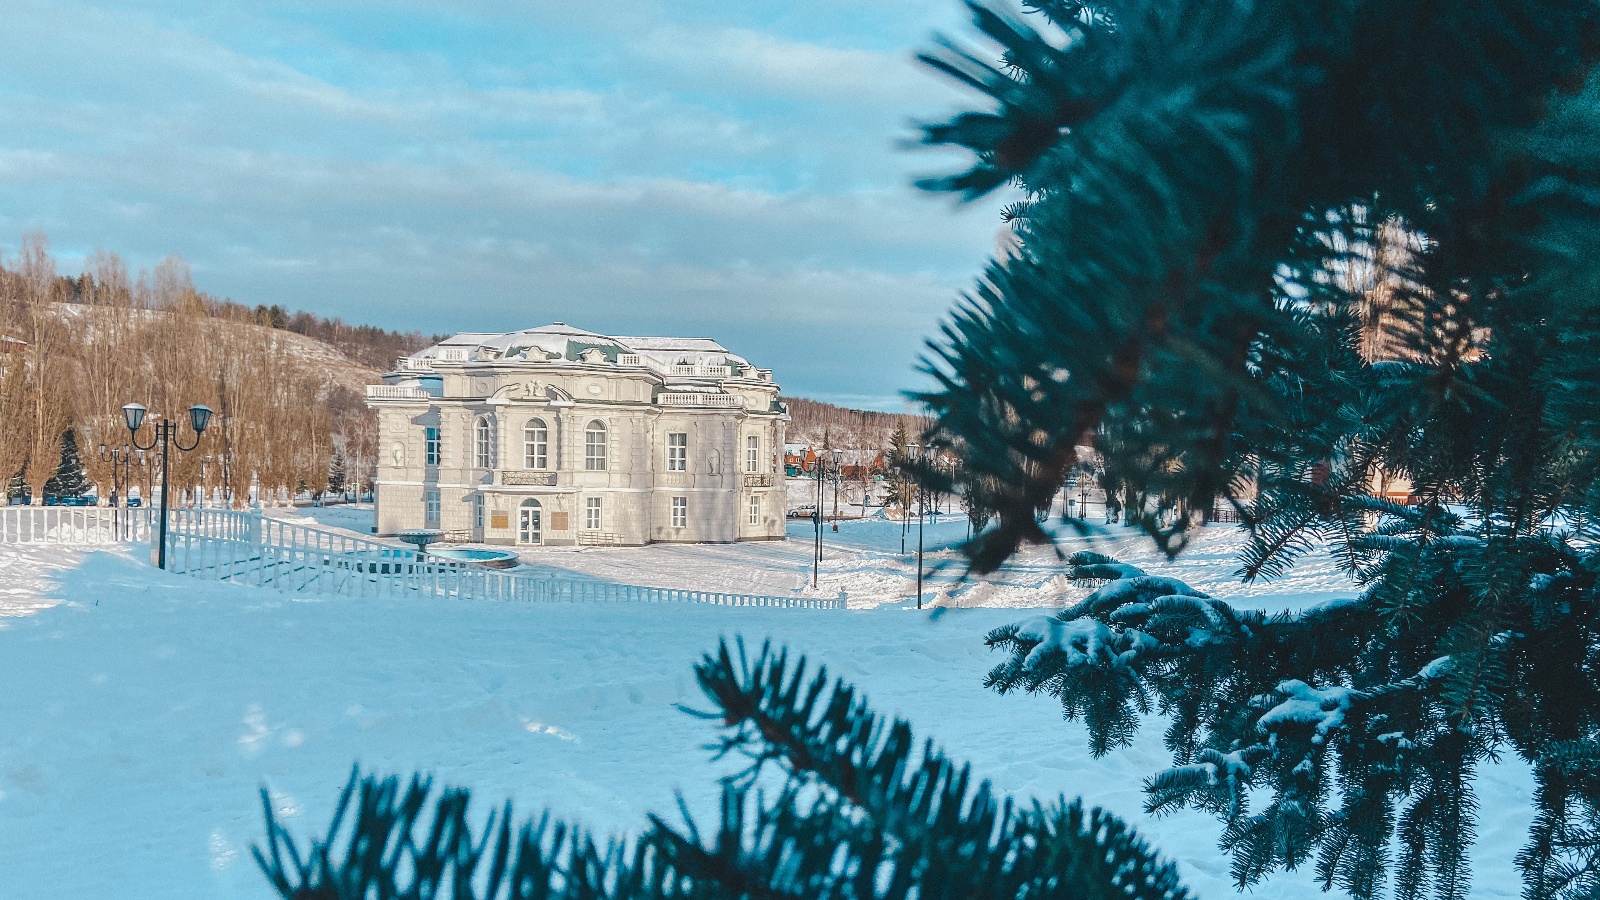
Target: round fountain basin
[
  {"x": 497, "y": 559},
  {"x": 421, "y": 537}
]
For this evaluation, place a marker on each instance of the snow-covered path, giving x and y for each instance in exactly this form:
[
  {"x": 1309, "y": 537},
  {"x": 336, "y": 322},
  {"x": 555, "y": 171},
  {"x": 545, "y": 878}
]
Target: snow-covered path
[{"x": 142, "y": 713}]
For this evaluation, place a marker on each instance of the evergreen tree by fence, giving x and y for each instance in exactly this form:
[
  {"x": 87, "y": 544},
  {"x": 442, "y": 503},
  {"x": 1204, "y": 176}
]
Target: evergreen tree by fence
[{"x": 1282, "y": 254}]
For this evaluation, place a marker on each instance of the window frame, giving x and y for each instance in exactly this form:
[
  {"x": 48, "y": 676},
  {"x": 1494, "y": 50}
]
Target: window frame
[
  {"x": 677, "y": 451},
  {"x": 680, "y": 512},
  {"x": 757, "y": 507},
  {"x": 594, "y": 461},
  {"x": 592, "y": 507},
  {"x": 535, "y": 450},
  {"x": 432, "y": 508},
  {"x": 432, "y": 446},
  {"x": 483, "y": 443},
  {"x": 752, "y": 454}
]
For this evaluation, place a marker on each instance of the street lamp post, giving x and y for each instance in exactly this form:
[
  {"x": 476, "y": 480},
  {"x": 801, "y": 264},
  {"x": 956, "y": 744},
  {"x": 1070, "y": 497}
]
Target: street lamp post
[
  {"x": 121, "y": 459},
  {"x": 816, "y": 525},
  {"x": 838, "y": 468},
  {"x": 922, "y": 520},
  {"x": 166, "y": 433}
]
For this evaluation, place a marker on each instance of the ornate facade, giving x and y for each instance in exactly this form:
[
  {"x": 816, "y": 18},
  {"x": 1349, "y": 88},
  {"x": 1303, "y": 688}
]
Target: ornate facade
[{"x": 560, "y": 436}]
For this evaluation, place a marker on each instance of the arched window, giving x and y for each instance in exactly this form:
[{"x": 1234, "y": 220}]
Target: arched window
[
  {"x": 483, "y": 443},
  {"x": 594, "y": 446},
  {"x": 535, "y": 445}
]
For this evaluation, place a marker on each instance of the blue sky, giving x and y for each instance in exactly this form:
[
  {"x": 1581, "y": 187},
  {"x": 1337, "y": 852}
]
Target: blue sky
[{"x": 727, "y": 168}]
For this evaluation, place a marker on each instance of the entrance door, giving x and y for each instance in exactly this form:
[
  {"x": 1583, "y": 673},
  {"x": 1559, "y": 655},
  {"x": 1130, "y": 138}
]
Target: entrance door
[{"x": 529, "y": 523}]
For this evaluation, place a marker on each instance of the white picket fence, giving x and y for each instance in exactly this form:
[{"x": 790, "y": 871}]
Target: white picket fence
[
  {"x": 73, "y": 525},
  {"x": 249, "y": 548}
]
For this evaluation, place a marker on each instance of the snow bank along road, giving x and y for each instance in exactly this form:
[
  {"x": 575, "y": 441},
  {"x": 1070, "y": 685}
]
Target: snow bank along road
[{"x": 142, "y": 711}]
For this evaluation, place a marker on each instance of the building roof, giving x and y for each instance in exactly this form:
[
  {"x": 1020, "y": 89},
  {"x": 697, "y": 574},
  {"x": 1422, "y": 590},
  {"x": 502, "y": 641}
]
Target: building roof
[{"x": 560, "y": 341}]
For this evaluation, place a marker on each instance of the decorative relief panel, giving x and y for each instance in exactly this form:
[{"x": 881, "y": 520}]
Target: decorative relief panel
[{"x": 528, "y": 478}]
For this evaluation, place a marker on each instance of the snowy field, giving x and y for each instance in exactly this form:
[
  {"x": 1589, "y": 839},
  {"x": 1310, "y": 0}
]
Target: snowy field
[{"x": 143, "y": 711}]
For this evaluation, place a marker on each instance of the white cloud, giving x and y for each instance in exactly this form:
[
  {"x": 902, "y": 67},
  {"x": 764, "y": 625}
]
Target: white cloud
[{"x": 732, "y": 179}]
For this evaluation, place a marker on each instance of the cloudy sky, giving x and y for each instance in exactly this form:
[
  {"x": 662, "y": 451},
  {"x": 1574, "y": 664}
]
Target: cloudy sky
[{"x": 728, "y": 168}]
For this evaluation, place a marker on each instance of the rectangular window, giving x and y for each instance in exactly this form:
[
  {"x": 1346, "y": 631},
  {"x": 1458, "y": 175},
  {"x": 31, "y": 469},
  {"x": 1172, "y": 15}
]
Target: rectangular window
[
  {"x": 680, "y": 512},
  {"x": 591, "y": 514},
  {"x": 430, "y": 509},
  {"x": 477, "y": 511},
  {"x": 678, "y": 451},
  {"x": 752, "y": 453},
  {"x": 594, "y": 447},
  {"x": 430, "y": 446},
  {"x": 755, "y": 509}
]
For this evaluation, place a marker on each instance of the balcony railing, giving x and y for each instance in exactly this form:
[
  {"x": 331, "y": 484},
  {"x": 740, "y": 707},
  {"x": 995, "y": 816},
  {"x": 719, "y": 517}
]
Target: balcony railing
[
  {"x": 756, "y": 479},
  {"x": 628, "y": 359},
  {"x": 721, "y": 401},
  {"x": 413, "y": 364},
  {"x": 452, "y": 354},
  {"x": 396, "y": 392},
  {"x": 702, "y": 371}
]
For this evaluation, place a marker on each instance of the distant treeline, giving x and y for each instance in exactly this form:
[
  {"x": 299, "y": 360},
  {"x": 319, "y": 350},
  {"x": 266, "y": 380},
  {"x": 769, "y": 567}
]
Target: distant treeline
[
  {"x": 373, "y": 347},
  {"x": 815, "y": 422}
]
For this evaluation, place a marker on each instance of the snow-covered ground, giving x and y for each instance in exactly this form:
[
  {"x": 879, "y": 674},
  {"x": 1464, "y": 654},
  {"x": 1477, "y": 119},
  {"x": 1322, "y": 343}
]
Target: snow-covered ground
[
  {"x": 864, "y": 560},
  {"x": 142, "y": 711}
]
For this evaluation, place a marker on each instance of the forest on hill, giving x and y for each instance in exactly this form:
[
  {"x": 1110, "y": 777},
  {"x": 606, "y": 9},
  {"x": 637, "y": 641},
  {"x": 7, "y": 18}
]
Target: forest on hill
[
  {"x": 289, "y": 405},
  {"x": 815, "y": 422}
]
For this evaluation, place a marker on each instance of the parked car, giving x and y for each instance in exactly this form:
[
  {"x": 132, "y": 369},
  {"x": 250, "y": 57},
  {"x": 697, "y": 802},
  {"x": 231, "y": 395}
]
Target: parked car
[
  {"x": 803, "y": 512},
  {"x": 134, "y": 502},
  {"x": 58, "y": 500}
]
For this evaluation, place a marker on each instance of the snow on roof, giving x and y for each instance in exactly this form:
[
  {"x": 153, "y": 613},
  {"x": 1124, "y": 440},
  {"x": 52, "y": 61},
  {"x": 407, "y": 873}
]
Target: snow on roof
[
  {"x": 466, "y": 339},
  {"x": 559, "y": 340},
  {"x": 702, "y": 345}
]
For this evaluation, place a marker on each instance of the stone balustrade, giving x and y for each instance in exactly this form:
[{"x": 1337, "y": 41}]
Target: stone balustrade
[
  {"x": 720, "y": 401},
  {"x": 396, "y": 392}
]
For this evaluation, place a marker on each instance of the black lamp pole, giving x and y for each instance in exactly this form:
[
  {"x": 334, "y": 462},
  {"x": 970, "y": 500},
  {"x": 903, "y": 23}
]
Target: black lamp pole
[
  {"x": 166, "y": 433},
  {"x": 838, "y": 467},
  {"x": 922, "y": 518},
  {"x": 121, "y": 459},
  {"x": 816, "y": 525}
]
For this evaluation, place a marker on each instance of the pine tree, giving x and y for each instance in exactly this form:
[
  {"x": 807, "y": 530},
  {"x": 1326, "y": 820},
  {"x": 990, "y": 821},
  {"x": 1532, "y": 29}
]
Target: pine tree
[
  {"x": 337, "y": 477},
  {"x": 70, "y": 479},
  {"x": 898, "y": 459},
  {"x": 1279, "y": 254},
  {"x": 860, "y": 810}
]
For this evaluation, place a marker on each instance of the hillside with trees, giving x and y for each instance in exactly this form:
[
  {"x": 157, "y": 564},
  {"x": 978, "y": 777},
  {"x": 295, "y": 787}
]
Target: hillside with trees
[
  {"x": 77, "y": 349},
  {"x": 815, "y": 422}
]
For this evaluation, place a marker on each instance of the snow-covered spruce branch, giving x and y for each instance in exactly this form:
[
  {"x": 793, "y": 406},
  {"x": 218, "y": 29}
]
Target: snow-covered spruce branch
[{"x": 863, "y": 812}]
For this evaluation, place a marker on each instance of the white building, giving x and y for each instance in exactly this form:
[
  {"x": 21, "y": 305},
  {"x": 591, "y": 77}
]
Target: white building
[{"x": 556, "y": 435}]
